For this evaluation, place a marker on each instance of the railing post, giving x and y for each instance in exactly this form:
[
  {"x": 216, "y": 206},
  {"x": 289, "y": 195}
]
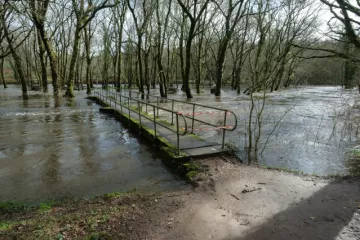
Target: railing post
[
  {"x": 177, "y": 134},
  {"x": 147, "y": 100},
  {"x": 141, "y": 105},
  {"x": 154, "y": 122},
  {"x": 115, "y": 99},
  {"x": 172, "y": 113},
  {"x": 193, "y": 119},
  {"x": 121, "y": 111},
  {"x": 157, "y": 105},
  {"x": 139, "y": 113},
  {"x": 107, "y": 94},
  {"x": 129, "y": 109},
  {"x": 224, "y": 130}
]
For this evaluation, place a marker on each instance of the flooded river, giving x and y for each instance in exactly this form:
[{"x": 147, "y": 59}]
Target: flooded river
[
  {"x": 49, "y": 151},
  {"x": 307, "y": 129},
  {"x": 71, "y": 150}
]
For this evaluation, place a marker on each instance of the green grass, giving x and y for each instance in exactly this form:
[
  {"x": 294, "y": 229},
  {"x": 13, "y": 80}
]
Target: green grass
[
  {"x": 190, "y": 175},
  {"x": 7, "y": 225},
  {"x": 193, "y": 135},
  {"x": 99, "y": 217},
  {"x": 119, "y": 194},
  {"x": 46, "y": 206},
  {"x": 192, "y": 166},
  {"x": 6, "y": 207},
  {"x": 231, "y": 148}
]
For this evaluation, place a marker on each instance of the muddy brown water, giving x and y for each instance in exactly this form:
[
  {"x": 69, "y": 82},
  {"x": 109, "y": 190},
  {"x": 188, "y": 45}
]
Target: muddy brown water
[
  {"x": 71, "y": 150},
  {"x": 310, "y": 129}
]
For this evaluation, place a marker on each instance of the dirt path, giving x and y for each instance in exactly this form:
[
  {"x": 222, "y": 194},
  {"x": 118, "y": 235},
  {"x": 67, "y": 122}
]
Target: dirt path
[{"x": 241, "y": 202}]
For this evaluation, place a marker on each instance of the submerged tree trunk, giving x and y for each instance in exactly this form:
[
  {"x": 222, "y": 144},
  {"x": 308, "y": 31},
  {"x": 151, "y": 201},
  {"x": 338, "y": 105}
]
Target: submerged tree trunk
[
  {"x": 220, "y": 66},
  {"x": 17, "y": 60},
  {"x": 230, "y": 23},
  {"x": 2, "y": 77},
  {"x": 39, "y": 24},
  {"x": 121, "y": 13},
  {"x": 19, "y": 69},
  {"x": 42, "y": 57},
  {"x": 70, "y": 83},
  {"x": 349, "y": 68},
  {"x": 87, "y": 41},
  {"x": 83, "y": 17}
]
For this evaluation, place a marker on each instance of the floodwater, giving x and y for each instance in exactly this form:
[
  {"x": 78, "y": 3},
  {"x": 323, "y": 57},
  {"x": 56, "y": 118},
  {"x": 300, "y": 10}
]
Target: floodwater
[
  {"x": 71, "y": 150},
  {"x": 308, "y": 129}
]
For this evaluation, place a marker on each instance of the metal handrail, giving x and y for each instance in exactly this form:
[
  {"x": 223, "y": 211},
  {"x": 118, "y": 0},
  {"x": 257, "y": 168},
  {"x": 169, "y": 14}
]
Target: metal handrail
[
  {"x": 193, "y": 119},
  {"x": 178, "y": 133},
  {"x": 194, "y": 104}
]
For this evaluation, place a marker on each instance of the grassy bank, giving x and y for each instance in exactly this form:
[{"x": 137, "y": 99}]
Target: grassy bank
[{"x": 102, "y": 217}]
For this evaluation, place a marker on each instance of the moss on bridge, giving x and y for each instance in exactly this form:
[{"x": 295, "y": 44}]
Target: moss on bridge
[{"x": 168, "y": 152}]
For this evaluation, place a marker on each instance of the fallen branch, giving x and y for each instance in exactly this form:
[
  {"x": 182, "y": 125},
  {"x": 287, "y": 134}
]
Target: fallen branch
[
  {"x": 226, "y": 159},
  {"x": 252, "y": 190},
  {"x": 234, "y": 196}
]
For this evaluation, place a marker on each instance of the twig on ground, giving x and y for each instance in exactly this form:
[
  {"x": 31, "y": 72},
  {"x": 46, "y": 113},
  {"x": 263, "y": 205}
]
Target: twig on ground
[
  {"x": 234, "y": 196},
  {"x": 252, "y": 190}
]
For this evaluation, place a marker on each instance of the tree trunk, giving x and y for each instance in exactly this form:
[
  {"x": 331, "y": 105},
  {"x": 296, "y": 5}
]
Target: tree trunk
[
  {"x": 119, "y": 60},
  {"x": 220, "y": 66},
  {"x": 141, "y": 77},
  {"x": 2, "y": 77},
  {"x": 153, "y": 80},
  {"x": 19, "y": 70},
  {"x": 88, "y": 59},
  {"x": 53, "y": 69},
  {"x": 70, "y": 83},
  {"x": 188, "y": 62},
  {"x": 17, "y": 61},
  {"x": 349, "y": 69},
  {"x": 42, "y": 57}
]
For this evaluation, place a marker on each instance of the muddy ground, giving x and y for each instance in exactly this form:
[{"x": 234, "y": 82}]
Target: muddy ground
[{"x": 231, "y": 201}]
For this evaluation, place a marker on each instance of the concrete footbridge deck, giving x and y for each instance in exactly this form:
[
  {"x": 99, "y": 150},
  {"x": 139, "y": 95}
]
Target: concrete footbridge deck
[{"x": 171, "y": 122}]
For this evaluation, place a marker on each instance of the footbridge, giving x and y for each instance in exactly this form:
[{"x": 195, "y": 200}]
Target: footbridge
[{"x": 175, "y": 123}]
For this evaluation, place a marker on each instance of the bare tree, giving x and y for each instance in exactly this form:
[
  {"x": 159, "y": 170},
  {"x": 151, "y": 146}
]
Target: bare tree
[
  {"x": 38, "y": 15},
  {"x": 232, "y": 14},
  {"x": 162, "y": 25},
  {"x": 119, "y": 15},
  {"x": 83, "y": 14},
  {"x": 12, "y": 35},
  {"x": 193, "y": 12},
  {"x": 141, "y": 13}
]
